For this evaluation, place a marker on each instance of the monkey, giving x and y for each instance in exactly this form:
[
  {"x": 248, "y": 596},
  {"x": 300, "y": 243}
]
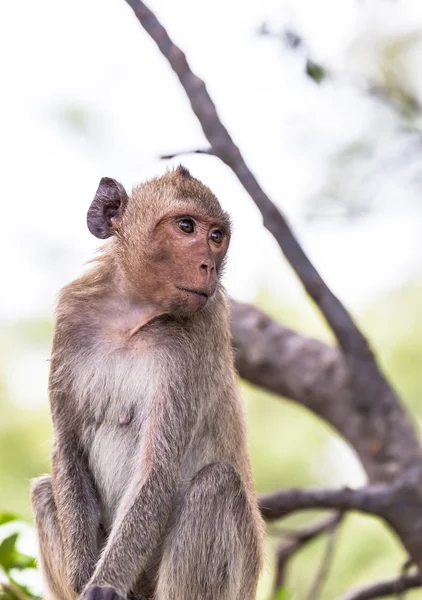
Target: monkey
[{"x": 151, "y": 491}]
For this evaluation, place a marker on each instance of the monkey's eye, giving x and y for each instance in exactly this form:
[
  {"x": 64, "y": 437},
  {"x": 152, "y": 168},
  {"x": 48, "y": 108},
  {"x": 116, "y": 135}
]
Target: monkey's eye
[
  {"x": 186, "y": 225},
  {"x": 217, "y": 236}
]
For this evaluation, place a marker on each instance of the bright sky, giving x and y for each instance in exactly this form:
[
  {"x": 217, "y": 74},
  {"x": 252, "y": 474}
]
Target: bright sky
[{"x": 93, "y": 55}]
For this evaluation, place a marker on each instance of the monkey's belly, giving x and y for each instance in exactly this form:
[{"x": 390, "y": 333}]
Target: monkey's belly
[{"x": 112, "y": 459}]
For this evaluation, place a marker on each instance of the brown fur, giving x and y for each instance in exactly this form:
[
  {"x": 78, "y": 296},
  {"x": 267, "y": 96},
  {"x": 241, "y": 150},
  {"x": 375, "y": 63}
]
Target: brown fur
[{"x": 151, "y": 489}]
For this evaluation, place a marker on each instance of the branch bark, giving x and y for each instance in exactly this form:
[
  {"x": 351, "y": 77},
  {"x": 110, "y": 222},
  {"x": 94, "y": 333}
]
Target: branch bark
[
  {"x": 317, "y": 376},
  {"x": 296, "y": 540},
  {"x": 385, "y": 589},
  {"x": 366, "y": 410},
  {"x": 324, "y": 568},
  {"x": 373, "y": 500}
]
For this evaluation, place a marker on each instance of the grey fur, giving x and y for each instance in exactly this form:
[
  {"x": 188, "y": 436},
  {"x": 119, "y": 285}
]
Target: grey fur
[{"x": 151, "y": 490}]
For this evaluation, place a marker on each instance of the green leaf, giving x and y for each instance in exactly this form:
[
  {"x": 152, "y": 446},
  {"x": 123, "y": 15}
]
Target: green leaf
[
  {"x": 11, "y": 558},
  {"x": 7, "y": 518},
  {"x": 7, "y": 550},
  {"x": 315, "y": 71}
]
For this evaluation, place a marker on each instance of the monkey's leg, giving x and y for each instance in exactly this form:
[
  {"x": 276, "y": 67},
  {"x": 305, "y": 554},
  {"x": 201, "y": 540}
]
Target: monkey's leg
[
  {"x": 49, "y": 540},
  {"x": 212, "y": 550}
]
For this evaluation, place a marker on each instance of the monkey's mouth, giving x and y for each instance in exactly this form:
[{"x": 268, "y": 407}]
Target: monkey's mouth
[{"x": 201, "y": 295}]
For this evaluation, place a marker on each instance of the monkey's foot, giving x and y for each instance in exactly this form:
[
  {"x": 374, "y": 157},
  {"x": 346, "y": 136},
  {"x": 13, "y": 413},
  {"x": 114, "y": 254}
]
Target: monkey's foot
[{"x": 97, "y": 592}]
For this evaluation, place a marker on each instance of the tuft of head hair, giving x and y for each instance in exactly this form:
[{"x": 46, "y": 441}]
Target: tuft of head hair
[{"x": 182, "y": 171}]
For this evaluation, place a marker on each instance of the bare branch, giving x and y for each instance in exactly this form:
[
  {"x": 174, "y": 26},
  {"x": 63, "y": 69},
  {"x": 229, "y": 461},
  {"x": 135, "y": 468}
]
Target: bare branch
[
  {"x": 385, "y": 589},
  {"x": 296, "y": 540},
  {"x": 368, "y": 381},
  {"x": 317, "y": 376},
  {"x": 385, "y": 428},
  {"x": 372, "y": 500},
  {"x": 326, "y": 561},
  {"x": 181, "y": 152},
  {"x": 350, "y": 338}
]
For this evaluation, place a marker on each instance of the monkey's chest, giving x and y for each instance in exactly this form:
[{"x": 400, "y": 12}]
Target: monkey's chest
[{"x": 118, "y": 405}]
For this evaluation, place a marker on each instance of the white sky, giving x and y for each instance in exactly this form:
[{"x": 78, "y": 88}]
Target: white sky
[{"x": 94, "y": 55}]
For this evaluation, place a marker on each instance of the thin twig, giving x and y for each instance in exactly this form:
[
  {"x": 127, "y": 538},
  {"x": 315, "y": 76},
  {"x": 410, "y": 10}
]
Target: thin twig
[
  {"x": 385, "y": 589},
  {"x": 326, "y": 560},
  {"x": 181, "y": 152},
  {"x": 293, "y": 541}
]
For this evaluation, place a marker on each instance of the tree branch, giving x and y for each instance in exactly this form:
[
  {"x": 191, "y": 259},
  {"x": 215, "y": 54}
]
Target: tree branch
[
  {"x": 317, "y": 376},
  {"x": 373, "y": 500},
  {"x": 350, "y": 338},
  {"x": 326, "y": 561},
  {"x": 180, "y": 153},
  {"x": 368, "y": 381},
  {"x": 385, "y": 429},
  {"x": 295, "y": 541},
  {"x": 385, "y": 589}
]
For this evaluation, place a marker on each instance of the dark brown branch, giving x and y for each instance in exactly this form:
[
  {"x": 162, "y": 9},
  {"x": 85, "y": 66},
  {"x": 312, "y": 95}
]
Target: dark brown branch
[
  {"x": 385, "y": 589},
  {"x": 373, "y": 500},
  {"x": 296, "y": 540}
]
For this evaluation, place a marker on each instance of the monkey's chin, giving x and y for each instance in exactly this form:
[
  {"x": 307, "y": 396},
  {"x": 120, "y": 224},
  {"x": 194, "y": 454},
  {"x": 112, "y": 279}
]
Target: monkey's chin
[{"x": 191, "y": 301}]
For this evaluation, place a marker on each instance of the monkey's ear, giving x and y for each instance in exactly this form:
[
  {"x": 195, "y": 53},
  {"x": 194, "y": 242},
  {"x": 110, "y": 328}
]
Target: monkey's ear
[{"x": 109, "y": 202}]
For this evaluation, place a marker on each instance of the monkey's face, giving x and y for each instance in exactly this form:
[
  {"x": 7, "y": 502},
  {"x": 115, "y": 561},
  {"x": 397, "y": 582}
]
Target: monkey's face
[
  {"x": 171, "y": 238},
  {"x": 184, "y": 259}
]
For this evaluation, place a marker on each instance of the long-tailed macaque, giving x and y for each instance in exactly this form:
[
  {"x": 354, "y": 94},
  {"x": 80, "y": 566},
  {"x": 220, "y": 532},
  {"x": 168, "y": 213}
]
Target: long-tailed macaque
[{"x": 151, "y": 490}]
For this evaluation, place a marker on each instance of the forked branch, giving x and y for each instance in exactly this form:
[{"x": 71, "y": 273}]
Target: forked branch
[{"x": 293, "y": 542}]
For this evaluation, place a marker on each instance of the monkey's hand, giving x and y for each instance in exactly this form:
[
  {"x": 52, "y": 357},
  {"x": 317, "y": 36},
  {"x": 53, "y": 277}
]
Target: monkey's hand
[{"x": 99, "y": 592}]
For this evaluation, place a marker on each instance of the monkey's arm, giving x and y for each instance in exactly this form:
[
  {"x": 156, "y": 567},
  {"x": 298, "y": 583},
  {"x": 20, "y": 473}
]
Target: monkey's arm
[
  {"x": 145, "y": 509},
  {"x": 77, "y": 507}
]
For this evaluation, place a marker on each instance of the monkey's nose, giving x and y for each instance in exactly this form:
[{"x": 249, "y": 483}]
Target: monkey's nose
[{"x": 206, "y": 268}]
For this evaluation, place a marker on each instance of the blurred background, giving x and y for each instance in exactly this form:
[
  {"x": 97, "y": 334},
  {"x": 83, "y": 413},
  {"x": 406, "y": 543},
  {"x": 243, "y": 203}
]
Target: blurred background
[{"x": 325, "y": 101}]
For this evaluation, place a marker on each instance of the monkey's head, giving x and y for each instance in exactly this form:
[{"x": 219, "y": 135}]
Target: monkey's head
[{"x": 170, "y": 238}]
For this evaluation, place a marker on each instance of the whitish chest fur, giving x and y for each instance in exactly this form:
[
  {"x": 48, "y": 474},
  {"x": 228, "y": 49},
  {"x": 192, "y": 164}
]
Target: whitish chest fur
[{"x": 115, "y": 387}]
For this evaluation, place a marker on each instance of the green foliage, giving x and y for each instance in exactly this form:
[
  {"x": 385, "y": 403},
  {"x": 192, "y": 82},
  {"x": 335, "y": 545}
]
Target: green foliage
[
  {"x": 7, "y": 518},
  {"x": 12, "y": 560},
  {"x": 282, "y": 594}
]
